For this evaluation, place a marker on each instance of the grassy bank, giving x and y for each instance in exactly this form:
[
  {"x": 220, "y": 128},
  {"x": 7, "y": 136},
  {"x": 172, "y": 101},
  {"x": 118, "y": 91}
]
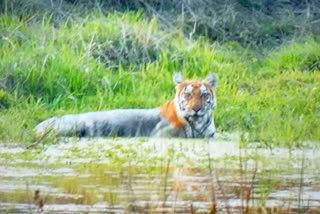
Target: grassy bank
[{"x": 123, "y": 60}]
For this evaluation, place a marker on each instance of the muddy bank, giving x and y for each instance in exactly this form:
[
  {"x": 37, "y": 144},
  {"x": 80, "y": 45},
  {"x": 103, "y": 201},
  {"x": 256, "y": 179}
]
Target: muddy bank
[{"x": 158, "y": 176}]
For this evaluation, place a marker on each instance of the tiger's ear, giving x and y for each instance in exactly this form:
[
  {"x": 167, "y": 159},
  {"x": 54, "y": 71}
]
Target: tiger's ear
[
  {"x": 212, "y": 79},
  {"x": 177, "y": 78}
]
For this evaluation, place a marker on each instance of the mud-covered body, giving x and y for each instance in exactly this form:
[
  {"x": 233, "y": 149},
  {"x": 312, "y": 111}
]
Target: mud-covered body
[{"x": 120, "y": 122}]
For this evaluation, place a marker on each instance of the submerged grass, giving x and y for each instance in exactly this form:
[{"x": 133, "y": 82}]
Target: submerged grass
[
  {"x": 125, "y": 179},
  {"x": 122, "y": 60}
]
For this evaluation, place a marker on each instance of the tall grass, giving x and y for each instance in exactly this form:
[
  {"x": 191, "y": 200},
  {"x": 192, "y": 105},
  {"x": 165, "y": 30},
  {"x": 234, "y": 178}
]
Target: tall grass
[
  {"x": 253, "y": 22},
  {"x": 122, "y": 60}
]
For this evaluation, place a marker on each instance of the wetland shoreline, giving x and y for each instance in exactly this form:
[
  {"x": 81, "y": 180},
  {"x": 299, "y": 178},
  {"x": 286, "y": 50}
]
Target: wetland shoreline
[{"x": 154, "y": 175}]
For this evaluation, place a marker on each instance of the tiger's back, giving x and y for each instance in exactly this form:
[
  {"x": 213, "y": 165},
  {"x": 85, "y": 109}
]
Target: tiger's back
[{"x": 119, "y": 122}]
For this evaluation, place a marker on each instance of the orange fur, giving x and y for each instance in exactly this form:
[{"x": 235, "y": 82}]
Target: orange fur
[{"x": 168, "y": 111}]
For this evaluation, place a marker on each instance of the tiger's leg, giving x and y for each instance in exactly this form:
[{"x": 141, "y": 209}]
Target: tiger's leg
[{"x": 164, "y": 129}]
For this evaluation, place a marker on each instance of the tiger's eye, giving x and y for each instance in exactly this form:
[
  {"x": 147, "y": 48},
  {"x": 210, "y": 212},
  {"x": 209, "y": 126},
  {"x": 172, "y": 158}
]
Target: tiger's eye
[
  {"x": 204, "y": 95},
  {"x": 188, "y": 94}
]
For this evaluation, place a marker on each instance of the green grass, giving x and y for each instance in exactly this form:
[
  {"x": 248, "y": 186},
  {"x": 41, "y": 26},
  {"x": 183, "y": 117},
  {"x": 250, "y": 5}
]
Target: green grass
[{"x": 122, "y": 60}]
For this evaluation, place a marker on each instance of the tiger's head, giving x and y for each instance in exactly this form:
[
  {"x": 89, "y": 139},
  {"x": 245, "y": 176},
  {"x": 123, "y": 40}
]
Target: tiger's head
[
  {"x": 195, "y": 98},
  {"x": 190, "y": 110}
]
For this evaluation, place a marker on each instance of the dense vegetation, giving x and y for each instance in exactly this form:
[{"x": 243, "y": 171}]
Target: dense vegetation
[{"x": 61, "y": 57}]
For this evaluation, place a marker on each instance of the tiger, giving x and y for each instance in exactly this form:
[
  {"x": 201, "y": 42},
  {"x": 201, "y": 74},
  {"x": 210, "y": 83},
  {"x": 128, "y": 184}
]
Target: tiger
[{"x": 188, "y": 115}]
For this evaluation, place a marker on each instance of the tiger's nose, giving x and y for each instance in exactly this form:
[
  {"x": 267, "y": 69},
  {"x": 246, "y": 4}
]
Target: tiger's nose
[{"x": 196, "y": 108}]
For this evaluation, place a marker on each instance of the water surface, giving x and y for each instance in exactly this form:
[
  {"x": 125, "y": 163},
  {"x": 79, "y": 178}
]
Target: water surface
[{"x": 159, "y": 176}]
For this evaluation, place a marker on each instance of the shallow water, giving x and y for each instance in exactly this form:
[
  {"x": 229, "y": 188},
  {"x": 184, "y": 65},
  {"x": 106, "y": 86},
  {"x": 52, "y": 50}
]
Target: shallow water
[{"x": 159, "y": 176}]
